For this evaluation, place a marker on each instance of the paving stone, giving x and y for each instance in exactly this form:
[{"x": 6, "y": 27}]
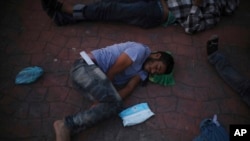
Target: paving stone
[{"x": 28, "y": 37}]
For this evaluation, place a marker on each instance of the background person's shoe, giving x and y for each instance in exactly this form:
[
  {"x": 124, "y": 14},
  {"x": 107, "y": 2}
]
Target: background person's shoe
[
  {"x": 61, "y": 18},
  {"x": 47, "y": 4},
  {"x": 212, "y": 44},
  {"x": 50, "y": 6}
]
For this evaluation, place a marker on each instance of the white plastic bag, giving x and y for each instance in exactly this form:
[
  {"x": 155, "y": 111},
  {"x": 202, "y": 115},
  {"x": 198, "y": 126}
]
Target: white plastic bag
[{"x": 136, "y": 114}]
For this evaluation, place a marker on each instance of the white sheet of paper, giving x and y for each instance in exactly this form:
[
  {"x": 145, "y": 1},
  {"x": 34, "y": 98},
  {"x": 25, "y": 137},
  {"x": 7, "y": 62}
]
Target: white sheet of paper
[{"x": 86, "y": 58}]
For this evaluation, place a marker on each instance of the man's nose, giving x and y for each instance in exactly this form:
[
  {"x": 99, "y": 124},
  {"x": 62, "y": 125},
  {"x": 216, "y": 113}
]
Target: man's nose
[{"x": 153, "y": 71}]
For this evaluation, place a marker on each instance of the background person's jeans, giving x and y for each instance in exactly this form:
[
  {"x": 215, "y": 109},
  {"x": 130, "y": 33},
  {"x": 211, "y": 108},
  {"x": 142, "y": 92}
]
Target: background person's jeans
[
  {"x": 143, "y": 13},
  {"x": 232, "y": 77},
  {"x": 93, "y": 82}
]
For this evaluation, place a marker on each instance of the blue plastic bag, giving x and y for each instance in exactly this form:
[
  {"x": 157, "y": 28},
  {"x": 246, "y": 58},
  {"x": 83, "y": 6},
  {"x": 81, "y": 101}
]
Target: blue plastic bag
[{"x": 28, "y": 75}]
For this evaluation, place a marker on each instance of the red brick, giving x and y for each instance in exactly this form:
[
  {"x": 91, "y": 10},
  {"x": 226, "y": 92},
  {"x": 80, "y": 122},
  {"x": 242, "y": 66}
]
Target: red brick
[{"x": 57, "y": 94}]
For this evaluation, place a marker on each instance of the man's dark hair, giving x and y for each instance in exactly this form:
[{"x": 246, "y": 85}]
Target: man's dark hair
[{"x": 167, "y": 59}]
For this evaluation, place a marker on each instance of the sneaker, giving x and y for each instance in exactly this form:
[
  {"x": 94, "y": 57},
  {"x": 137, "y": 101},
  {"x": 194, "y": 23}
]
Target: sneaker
[
  {"x": 50, "y": 6},
  {"x": 61, "y": 18},
  {"x": 212, "y": 44}
]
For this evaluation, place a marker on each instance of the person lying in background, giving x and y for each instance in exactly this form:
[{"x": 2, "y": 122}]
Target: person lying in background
[{"x": 193, "y": 15}]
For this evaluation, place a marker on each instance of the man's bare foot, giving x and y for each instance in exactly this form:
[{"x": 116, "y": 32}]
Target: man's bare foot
[{"x": 62, "y": 132}]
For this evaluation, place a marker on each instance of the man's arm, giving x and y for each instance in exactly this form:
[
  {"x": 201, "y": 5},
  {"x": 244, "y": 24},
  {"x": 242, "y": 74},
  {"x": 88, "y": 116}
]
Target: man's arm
[
  {"x": 122, "y": 62},
  {"x": 131, "y": 85}
]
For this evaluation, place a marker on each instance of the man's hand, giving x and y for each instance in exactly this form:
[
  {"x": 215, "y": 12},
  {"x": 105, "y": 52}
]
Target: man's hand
[
  {"x": 197, "y": 2},
  {"x": 129, "y": 88}
]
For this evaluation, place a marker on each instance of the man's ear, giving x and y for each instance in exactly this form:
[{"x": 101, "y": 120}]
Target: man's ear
[{"x": 155, "y": 55}]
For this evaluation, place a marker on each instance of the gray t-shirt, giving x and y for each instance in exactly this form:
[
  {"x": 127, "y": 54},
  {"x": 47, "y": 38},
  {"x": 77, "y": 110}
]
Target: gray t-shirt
[{"x": 138, "y": 53}]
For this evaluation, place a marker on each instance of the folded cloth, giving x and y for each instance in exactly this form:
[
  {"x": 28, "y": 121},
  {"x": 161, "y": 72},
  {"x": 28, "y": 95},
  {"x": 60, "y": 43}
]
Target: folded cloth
[{"x": 163, "y": 79}]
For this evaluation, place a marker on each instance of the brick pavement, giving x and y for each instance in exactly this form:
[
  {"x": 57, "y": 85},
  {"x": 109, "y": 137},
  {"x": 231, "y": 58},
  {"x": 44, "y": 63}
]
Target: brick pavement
[{"x": 28, "y": 37}]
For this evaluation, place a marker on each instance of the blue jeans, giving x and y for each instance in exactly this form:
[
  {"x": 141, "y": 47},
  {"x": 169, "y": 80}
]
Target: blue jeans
[
  {"x": 143, "y": 13},
  {"x": 232, "y": 77},
  {"x": 94, "y": 83}
]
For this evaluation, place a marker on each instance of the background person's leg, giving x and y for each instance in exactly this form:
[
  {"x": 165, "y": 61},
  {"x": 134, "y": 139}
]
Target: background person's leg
[
  {"x": 140, "y": 13},
  {"x": 232, "y": 77},
  {"x": 143, "y": 13},
  {"x": 229, "y": 74}
]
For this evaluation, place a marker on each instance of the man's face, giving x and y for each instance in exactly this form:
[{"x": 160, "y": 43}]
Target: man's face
[{"x": 155, "y": 67}]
